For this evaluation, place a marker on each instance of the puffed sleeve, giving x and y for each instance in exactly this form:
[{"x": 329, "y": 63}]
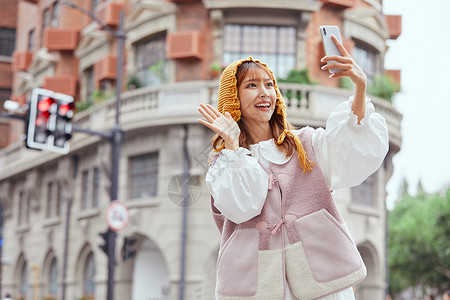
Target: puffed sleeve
[
  {"x": 238, "y": 185},
  {"x": 346, "y": 152}
]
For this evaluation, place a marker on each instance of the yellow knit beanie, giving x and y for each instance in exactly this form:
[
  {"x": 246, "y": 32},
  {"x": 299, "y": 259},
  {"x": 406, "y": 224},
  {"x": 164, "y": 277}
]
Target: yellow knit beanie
[{"x": 228, "y": 101}]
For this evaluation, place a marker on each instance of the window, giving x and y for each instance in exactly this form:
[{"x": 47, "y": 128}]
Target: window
[
  {"x": 90, "y": 83},
  {"x": 24, "y": 280},
  {"x": 84, "y": 190},
  {"x": 7, "y": 41},
  {"x": 143, "y": 176},
  {"x": 365, "y": 193},
  {"x": 96, "y": 187},
  {"x": 46, "y": 18},
  {"x": 368, "y": 59},
  {"x": 50, "y": 199},
  {"x": 53, "y": 279},
  {"x": 151, "y": 61},
  {"x": 24, "y": 208},
  {"x": 55, "y": 14},
  {"x": 59, "y": 199},
  {"x": 31, "y": 40},
  {"x": 89, "y": 275},
  {"x": 274, "y": 45},
  {"x": 90, "y": 188},
  {"x": 54, "y": 199}
]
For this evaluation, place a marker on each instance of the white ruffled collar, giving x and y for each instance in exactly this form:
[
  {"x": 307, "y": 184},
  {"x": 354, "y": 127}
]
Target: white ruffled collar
[{"x": 269, "y": 151}]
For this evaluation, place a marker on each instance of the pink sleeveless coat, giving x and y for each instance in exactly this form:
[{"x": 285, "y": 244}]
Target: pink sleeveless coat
[{"x": 299, "y": 235}]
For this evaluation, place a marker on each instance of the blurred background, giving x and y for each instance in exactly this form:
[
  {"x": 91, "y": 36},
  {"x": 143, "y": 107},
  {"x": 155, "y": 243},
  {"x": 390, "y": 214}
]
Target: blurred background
[{"x": 137, "y": 71}]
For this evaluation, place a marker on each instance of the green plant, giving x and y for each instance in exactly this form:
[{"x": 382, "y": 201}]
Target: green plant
[
  {"x": 297, "y": 76},
  {"x": 384, "y": 87},
  {"x": 215, "y": 66},
  {"x": 158, "y": 69},
  {"x": 133, "y": 82},
  {"x": 82, "y": 105},
  {"x": 346, "y": 83},
  {"x": 99, "y": 96}
]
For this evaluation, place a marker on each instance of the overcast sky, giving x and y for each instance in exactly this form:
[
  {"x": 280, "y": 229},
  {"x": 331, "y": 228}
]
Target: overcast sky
[{"x": 422, "y": 53}]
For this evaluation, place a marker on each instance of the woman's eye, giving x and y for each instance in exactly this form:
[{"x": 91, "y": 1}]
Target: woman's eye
[
  {"x": 270, "y": 84},
  {"x": 251, "y": 85}
]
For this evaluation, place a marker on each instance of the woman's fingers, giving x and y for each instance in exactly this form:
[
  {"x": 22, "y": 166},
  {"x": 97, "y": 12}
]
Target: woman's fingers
[
  {"x": 209, "y": 111},
  {"x": 214, "y": 110},
  {"x": 206, "y": 115},
  {"x": 209, "y": 125},
  {"x": 339, "y": 46},
  {"x": 338, "y": 58},
  {"x": 337, "y": 66}
]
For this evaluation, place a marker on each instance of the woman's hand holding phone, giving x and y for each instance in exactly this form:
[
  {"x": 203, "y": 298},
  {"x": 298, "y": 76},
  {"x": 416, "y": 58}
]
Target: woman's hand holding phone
[
  {"x": 347, "y": 67},
  {"x": 346, "y": 63}
]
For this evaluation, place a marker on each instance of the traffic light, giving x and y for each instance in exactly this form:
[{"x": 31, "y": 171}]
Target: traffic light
[
  {"x": 105, "y": 237},
  {"x": 49, "y": 121},
  {"x": 128, "y": 250}
]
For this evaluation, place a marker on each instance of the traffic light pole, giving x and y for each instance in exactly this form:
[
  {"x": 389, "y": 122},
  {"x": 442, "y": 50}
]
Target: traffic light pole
[{"x": 115, "y": 136}]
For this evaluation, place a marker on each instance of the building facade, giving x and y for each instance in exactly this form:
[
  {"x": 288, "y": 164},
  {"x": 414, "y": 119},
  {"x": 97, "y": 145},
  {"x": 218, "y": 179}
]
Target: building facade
[{"x": 54, "y": 205}]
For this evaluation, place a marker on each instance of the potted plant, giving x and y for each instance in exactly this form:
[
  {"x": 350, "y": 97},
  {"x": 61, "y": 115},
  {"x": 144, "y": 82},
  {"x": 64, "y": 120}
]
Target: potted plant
[
  {"x": 215, "y": 69},
  {"x": 383, "y": 86},
  {"x": 133, "y": 82}
]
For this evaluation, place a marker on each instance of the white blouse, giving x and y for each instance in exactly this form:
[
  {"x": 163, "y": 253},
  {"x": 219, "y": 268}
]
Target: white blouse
[{"x": 347, "y": 153}]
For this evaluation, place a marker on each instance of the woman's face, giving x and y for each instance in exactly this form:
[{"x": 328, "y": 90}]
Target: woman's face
[{"x": 257, "y": 97}]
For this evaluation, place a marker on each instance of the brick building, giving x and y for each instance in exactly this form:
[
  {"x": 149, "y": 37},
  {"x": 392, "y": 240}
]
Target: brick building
[
  {"x": 8, "y": 21},
  {"x": 171, "y": 48}
]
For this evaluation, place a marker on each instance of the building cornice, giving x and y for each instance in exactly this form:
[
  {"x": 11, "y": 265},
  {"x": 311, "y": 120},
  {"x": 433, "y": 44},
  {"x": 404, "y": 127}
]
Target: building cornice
[{"x": 301, "y": 5}]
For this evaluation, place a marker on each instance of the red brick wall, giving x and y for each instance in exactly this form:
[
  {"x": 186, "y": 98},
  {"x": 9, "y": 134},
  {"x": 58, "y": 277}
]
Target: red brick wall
[
  {"x": 5, "y": 75},
  {"x": 8, "y": 13},
  {"x": 194, "y": 16}
]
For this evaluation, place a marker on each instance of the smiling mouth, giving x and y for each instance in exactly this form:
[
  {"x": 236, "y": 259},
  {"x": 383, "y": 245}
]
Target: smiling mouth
[{"x": 263, "y": 105}]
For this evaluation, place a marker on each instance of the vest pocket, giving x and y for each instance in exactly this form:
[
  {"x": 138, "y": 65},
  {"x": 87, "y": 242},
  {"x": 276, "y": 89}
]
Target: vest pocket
[
  {"x": 325, "y": 260},
  {"x": 237, "y": 265}
]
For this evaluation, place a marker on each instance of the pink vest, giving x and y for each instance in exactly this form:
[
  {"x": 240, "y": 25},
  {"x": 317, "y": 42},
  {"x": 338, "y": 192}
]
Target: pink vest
[{"x": 299, "y": 235}]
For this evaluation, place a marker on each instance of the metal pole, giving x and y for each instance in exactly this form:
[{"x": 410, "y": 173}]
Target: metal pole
[
  {"x": 66, "y": 245},
  {"x": 186, "y": 172},
  {"x": 115, "y": 155}
]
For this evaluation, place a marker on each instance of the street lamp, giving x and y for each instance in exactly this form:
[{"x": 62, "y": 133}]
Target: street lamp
[{"x": 115, "y": 135}]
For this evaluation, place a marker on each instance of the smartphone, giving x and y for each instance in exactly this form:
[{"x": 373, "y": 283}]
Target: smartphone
[{"x": 326, "y": 31}]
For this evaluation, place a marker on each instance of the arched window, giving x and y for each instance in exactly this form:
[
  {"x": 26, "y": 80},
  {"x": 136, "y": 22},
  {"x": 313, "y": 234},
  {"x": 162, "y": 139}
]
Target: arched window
[
  {"x": 24, "y": 280},
  {"x": 89, "y": 276},
  {"x": 53, "y": 279}
]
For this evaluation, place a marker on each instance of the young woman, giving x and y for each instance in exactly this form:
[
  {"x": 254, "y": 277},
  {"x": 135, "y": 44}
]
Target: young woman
[{"x": 282, "y": 234}]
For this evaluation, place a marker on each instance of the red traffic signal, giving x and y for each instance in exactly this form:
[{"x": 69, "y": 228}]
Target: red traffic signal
[{"x": 49, "y": 126}]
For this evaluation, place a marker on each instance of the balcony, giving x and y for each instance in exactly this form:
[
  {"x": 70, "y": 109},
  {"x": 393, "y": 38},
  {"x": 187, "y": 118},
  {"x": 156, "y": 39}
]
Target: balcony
[
  {"x": 177, "y": 103},
  {"x": 185, "y": 45},
  {"x": 340, "y": 3},
  {"x": 60, "y": 39},
  {"x": 105, "y": 68},
  {"x": 109, "y": 13},
  {"x": 21, "y": 60},
  {"x": 394, "y": 23},
  {"x": 61, "y": 84}
]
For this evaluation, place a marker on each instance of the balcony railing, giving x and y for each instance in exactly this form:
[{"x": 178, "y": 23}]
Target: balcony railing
[{"x": 177, "y": 103}]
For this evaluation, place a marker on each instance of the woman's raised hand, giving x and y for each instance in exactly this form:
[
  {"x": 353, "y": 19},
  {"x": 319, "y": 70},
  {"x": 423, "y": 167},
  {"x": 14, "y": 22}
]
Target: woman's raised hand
[
  {"x": 223, "y": 125},
  {"x": 347, "y": 64}
]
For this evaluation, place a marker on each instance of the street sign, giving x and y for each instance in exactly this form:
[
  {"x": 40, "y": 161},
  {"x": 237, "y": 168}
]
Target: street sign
[{"x": 117, "y": 216}]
